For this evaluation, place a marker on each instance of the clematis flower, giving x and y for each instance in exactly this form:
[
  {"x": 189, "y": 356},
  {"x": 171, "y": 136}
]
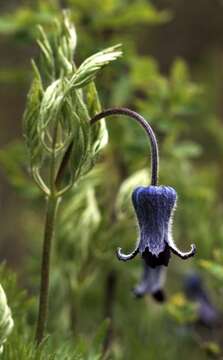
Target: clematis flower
[
  {"x": 154, "y": 206},
  {"x": 152, "y": 283},
  {"x": 208, "y": 315}
]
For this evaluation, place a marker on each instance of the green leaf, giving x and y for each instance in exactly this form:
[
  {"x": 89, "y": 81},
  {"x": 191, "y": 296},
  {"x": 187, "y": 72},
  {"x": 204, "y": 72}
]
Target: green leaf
[
  {"x": 64, "y": 44},
  {"x": 181, "y": 310},
  {"x": 75, "y": 245},
  {"x": 81, "y": 138},
  {"x": 214, "y": 269},
  {"x": 89, "y": 68},
  {"x": 52, "y": 101},
  {"x": 6, "y": 321},
  {"x": 179, "y": 72},
  {"x": 47, "y": 56},
  {"x": 69, "y": 36},
  {"x": 99, "y": 133},
  {"x": 123, "y": 206},
  {"x": 128, "y": 14},
  {"x": 98, "y": 341},
  {"x": 30, "y": 121}
]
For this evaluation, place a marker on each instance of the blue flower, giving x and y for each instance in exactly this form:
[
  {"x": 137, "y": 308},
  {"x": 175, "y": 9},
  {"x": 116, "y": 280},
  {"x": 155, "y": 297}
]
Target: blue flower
[
  {"x": 152, "y": 283},
  {"x": 195, "y": 291},
  {"x": 154, "y": 206}
]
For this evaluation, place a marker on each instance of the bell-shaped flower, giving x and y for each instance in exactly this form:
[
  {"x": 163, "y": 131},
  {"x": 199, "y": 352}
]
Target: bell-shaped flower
[
  {"x": 152, "y": 283},
  {"x": 208, "y": 314},
  {"x": 154, "y": 206}
]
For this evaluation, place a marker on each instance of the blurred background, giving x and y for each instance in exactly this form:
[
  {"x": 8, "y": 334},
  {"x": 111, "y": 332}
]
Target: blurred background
[{"x": 172, "y": 73}]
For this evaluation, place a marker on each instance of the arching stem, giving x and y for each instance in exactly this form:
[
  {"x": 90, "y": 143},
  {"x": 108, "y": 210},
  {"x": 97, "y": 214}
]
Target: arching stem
[{"x": 142, "y": 122}]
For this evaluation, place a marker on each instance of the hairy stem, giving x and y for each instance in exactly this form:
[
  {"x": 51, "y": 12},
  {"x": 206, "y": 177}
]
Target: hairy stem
[
  {"x": 52, "y": 205},
  {"x": 142, "y": 122}
]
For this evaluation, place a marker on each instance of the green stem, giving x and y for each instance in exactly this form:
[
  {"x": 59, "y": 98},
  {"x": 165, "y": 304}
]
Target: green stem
[{"x": 52, "y": 205}]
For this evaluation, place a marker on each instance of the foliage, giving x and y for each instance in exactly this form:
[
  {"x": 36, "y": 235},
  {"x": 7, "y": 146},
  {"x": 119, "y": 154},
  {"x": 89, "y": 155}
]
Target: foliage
[
  {"x": 96, "y": 214},
  {"x": 56, "y": 114}
]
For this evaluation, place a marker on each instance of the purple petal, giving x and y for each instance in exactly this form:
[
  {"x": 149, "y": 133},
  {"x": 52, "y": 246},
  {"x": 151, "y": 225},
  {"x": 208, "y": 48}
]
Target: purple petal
[
  {"x": 151, "y": 283},
  {"x": 126, "y": 257},
  {"x": 181, "y": 254},
  {"x": 153, "y": 206}
]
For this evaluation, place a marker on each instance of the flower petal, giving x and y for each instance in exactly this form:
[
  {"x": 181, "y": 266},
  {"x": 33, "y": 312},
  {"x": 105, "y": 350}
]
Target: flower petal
[
  {"x": 126, "y": 257},
  {"x": 181, "y": 254},
  {"x": 154, "y": 206},
  {"x": 151, "y": 283}
]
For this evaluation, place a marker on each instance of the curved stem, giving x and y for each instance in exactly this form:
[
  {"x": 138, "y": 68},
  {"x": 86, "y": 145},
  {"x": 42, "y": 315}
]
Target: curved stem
[{"x": 134, "y": 115}]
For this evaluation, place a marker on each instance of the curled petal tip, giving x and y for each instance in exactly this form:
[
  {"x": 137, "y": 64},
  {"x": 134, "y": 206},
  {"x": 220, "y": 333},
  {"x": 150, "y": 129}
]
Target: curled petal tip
[
  {"x": 193, "y": 249},
  {"x": 190, "y": 253},
  {"x": 181, "y": 254},
  {"x": 126, "y": 257}
]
